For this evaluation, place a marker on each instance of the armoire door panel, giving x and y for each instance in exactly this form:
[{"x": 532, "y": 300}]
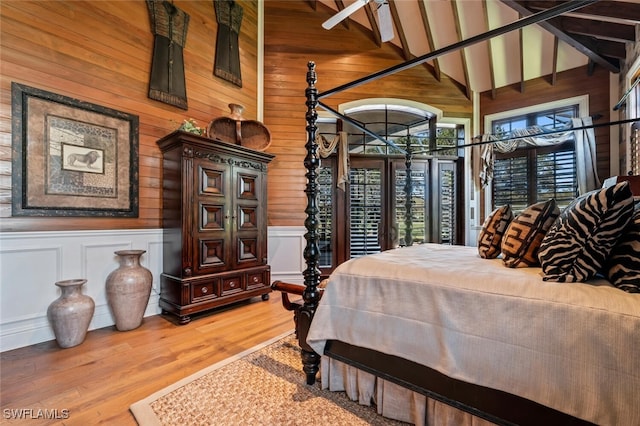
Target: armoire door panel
[
  {"x": 247, "y": 250},
  {"x": 212, "y": 254},
  {"x": 247, "y": 217},
  {"x": 213, "y": 181},
  {"x": 212, "y": 217},
  {"x": 247, "y": 186}
]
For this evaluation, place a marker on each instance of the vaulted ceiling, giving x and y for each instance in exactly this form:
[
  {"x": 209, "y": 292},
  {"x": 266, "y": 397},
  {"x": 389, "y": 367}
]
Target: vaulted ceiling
[{"x": 595, "y": 35}]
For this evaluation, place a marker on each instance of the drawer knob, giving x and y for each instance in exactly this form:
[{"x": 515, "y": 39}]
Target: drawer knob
[
  {"x": 255, "y": 279},
  {"x": 232, "y": 284},
  {"x": 204, "y": 290}
]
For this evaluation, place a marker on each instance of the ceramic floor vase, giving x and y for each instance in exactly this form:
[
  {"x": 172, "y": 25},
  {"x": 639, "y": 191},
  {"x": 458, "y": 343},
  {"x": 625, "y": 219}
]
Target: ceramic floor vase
[
  {"x": 71, "y": 313},
  {"x": 128, "y": 290}
]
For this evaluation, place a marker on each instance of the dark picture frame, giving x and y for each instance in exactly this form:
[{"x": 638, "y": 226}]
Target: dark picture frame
[{"x": 70, "y": 157}]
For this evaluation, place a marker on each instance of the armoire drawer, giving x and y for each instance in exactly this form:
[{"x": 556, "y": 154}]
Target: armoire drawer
[
  {"x": 257, "y": 279},
  {"x": 231, "y": 284},
  {"x": 204, "y": 290}
]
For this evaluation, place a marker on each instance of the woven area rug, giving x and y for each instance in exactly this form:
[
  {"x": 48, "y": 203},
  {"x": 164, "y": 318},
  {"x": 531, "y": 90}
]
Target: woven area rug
[{"x": 264, "y": 385}]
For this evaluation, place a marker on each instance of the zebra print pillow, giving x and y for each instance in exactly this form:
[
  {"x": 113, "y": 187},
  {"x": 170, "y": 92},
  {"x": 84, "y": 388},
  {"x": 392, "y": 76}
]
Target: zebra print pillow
[
  {"x": 579, "y": 242},
  {"x": 623, "y": 265},
  {"x": 522, "y": 239},
  {"x": 493, "y": 229}
]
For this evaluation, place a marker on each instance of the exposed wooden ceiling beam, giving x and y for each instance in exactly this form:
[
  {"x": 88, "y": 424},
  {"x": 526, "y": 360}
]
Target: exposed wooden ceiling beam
[
  {"x": 340, "y": 6},
  {"x": 583, "y": 45},
  {"x": 529, "y": 20},
  {"x": 406, "y": 51},
  {"x": 463, "y": 53},
  {"x": 612, "y": 9},
  {"x": 599, "y": 29},
  {"x": 427, "y": 28},
  {"x": 610, "y": 49},
  {"x": 377, "y": 37},
  {"x": 554, "y": 68},
  {"x": 492, "y": 73},
  {"x": 521, "y": 41}
]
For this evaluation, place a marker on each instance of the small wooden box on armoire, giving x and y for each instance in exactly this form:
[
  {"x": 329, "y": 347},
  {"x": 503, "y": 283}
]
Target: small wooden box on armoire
[{"x": 214, "y": 219}]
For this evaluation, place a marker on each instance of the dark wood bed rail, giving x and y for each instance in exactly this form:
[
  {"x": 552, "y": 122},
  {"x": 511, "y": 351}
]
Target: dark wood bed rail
[
  {"x": 288, "y": 288},
  {"x": 501, "y": 408}
]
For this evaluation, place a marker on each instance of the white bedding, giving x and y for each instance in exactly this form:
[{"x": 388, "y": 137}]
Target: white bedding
[{"x": 574, "y": 347}]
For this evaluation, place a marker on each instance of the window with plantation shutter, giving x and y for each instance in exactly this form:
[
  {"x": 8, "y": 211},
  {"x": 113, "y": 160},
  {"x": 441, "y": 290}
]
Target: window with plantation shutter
[
  {"x": 418, "y": 203},
  {"x": 511, "y": 183},
  {"x": 635, "y": 149},
  {"x": 325, "y": 216},
  {"x": 368, "y": 213},
  {"x": 633, "y": 111},
  {"x": 447, "y": 213},
  {"x": 531, "y": 174},
  {"x": 556, "y": 176},
  {"x": 365, "y": 210}
]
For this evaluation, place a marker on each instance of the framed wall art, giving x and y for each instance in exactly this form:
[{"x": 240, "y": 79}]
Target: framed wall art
[{"x": 72, "y": 158}]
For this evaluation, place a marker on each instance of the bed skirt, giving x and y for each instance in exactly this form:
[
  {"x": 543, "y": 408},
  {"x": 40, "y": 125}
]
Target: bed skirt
[{"x": 391, "y": 400}]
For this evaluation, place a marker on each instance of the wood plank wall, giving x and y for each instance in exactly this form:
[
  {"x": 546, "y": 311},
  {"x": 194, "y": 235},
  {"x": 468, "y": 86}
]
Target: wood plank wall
[
  {"x": 575, "y": 82},
  {"x": 293, "y": 37},
  {"x": 100, "y": 52}
]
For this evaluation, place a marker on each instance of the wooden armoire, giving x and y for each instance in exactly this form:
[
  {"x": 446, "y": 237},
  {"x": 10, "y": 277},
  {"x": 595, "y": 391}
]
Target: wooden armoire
[{"x": 214, "y": 219}]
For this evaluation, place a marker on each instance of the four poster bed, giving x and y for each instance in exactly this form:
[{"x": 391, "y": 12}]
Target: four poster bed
[{"x": 449, "y": 335}]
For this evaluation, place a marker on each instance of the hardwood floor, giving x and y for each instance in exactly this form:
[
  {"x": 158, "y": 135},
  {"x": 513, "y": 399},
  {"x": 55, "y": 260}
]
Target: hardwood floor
[{"x": 98, "y": 380}]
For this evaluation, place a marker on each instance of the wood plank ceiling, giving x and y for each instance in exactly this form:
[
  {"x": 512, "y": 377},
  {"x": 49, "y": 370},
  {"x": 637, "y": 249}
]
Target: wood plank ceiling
[{"x": 594, "y": 35}]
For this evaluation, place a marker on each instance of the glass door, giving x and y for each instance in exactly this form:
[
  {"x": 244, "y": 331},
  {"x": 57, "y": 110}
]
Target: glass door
[
  {"x": 417, "y": 229},
  {"x": 367, "y": 224}
]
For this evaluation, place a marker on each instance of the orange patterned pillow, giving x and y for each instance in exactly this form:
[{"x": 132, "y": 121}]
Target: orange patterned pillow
[
  {"x": 522, "y": 239},
  {"x": 493, "y": 228}
]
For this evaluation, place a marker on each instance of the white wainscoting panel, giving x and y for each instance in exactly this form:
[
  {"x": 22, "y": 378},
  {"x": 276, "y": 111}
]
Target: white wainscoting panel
[
  {"x": 31, "y": 262},
  {"x": 286, "y": 249}
]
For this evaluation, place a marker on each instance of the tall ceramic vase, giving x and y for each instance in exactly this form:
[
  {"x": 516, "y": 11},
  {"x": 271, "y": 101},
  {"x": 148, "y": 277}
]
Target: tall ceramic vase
[
  {"x": 128, "y": 290},
  {"x": 71, "y": 313}
]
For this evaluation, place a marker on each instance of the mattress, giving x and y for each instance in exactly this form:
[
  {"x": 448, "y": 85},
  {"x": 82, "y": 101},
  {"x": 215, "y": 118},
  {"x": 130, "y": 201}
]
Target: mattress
[{"x": 570, "y": 346}]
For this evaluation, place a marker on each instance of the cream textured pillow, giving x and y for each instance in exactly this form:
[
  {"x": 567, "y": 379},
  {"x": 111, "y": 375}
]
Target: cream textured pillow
[
  {"x": 522, "y": 240},
  {"x": 579, "y": 242},
  {"x": 493, "y": 228}
]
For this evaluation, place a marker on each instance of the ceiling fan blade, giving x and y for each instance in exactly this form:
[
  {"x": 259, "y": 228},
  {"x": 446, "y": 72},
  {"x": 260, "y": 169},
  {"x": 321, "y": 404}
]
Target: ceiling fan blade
[
  {"x": 344, "y": 13},
  {"x": 385, "y": 22}
]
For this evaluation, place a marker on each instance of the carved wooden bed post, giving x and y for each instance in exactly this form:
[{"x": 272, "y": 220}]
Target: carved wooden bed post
[
  {"x": 310, "y": 291},
  {"x": 311, "y": 294}
]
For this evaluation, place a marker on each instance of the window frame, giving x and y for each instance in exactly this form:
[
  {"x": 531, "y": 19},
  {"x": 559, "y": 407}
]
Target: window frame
[
  {"x": 458, "y": 135},
  {"x": 531, "y": 157},
  {"x": 583, "y": 110},
  {"x": 633, "y": 129}
]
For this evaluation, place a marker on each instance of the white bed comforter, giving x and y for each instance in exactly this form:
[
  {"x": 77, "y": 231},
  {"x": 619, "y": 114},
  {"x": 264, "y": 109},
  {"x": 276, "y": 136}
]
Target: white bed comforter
[{"x": 574, "y": 347}]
